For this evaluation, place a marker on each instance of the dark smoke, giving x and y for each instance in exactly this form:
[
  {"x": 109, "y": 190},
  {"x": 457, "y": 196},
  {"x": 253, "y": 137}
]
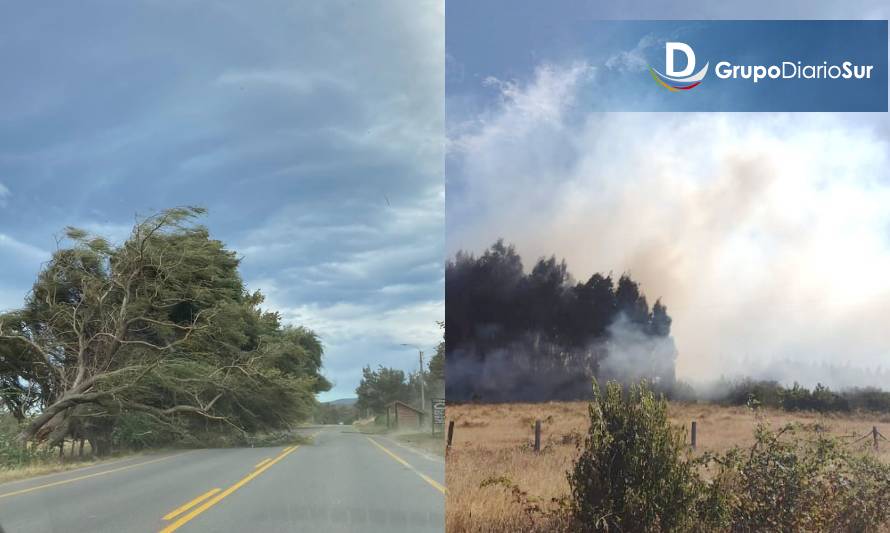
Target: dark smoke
[{"x": 517, "y": 336}]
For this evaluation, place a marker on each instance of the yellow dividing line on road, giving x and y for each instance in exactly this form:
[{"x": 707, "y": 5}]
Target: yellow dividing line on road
[
  {"x": 218, "y": 497},
  {"x": 438, "y": 486},
  {"x": 264, "y": 461},
  {"x": 178, "y": 511},
  {"x": 88, "y": 476}
]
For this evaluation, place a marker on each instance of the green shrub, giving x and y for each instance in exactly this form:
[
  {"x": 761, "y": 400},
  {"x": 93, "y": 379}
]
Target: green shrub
[
  {"x": 821, "y": 399},
  {"x": 799, "y": 398},
  {"x": 765, "y": 393},
  {"x": 139, "y": 431},
  {"x": 793, "y": 481},
  {"x": 633, "y": 473},
  {"x": 13, "y": 454}
]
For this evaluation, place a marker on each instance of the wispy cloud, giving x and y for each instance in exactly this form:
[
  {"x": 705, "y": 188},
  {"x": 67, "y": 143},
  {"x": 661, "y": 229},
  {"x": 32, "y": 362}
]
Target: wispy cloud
[
  {"x": 12, "y": 249},
  {"x": 632, "y": 60},
  {"x": 314, "y": 139}
]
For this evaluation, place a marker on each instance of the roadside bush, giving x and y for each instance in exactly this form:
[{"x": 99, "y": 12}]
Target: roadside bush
[
  {"x": 793, "y": 481},
  {"x": 633, "y": 473},
  {"x": 13, "y": 454},
  {"x": 138, "y": 431}
]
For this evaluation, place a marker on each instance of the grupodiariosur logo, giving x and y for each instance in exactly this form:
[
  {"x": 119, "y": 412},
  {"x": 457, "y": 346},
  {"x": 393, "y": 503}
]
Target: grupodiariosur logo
[{"x": 681, "y": 80}]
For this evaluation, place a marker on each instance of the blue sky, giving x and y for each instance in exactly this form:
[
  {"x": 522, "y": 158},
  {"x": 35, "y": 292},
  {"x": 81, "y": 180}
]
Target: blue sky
[
  {"x": 311, "y": 132},
  {"x": 621, "y": 52},
  {"x": 507, "y": 39},
  {"x": 766, "y": 234}
]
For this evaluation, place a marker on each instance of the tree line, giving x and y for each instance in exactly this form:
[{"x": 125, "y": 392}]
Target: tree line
[
  {"x": 540, "y": 335},
  {"x": 820, "y": 398},
  {"x": 152, "y": 341},
  {"x": 379, "y": 388}
]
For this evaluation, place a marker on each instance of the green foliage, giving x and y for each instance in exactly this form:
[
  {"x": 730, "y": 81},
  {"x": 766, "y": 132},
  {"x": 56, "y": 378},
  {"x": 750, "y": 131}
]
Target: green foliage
[
  {"x": 437, "y": 361},
  {"x": 766, "y": 393},
  {"x": 798, "y": 398},
  {"x": 632, "y": 473},
  {"x": 792, "y": 481},
  {"x": 138, "y": 431},
  {"x": 12, "y": 453},
  {"x": 380, "y": 387},
  {"x": 157, "y": 335}
]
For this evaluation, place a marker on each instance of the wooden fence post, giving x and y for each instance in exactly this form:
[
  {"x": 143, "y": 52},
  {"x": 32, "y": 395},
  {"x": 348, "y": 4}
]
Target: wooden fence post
[
  {"x": 692, "y": 434},
  {"x": 450, "y": 431},
  {"x": 537, "y": 436},
  {"x": 874, "y": 434}
]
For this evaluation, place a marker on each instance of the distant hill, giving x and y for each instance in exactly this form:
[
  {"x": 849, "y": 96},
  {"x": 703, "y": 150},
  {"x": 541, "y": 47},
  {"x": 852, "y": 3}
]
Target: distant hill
[{"x": 343, "y": 401}]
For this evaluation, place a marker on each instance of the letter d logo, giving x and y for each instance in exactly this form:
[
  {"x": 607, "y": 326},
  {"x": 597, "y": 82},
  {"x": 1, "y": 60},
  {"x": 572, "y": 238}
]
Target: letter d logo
[
  {"x": 682, "y": 80},
  {"x": 669, "y": 50}
]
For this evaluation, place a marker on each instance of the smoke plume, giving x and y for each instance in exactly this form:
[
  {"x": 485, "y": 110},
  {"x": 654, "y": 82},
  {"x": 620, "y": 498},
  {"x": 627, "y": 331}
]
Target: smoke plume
[{"x": 766, "y": 235}]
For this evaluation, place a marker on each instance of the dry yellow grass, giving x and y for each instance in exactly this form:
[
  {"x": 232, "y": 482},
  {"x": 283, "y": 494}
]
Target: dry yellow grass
[
  {"x": 494, "y": 441},
  {"x": 52, "y": 466}
]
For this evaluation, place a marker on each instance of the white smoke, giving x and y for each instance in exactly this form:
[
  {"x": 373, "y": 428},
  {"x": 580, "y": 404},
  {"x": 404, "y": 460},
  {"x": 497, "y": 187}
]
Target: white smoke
[
  {"x": 633, "y": 355},
  {"x": 766, "y": 235}
]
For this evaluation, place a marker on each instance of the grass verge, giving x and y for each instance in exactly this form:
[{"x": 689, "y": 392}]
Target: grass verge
[
  {"x": 54, "y": 466},
  {"x": 423, "y": 441}
]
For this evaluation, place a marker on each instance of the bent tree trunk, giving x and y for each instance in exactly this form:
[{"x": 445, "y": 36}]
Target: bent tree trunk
[
  {"x": 53, "y": 416},
  {"x": 46, "y": 421}
]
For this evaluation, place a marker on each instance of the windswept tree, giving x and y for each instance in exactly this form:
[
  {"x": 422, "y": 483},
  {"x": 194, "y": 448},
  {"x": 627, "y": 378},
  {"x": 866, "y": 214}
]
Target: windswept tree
[{"x": 160, "y": 327}]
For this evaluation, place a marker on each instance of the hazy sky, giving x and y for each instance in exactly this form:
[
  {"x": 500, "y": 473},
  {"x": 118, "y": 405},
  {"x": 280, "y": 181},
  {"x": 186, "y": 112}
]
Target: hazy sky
[
  {"x": 766, "y": 235},
  {"x": 310, "y": 130}
]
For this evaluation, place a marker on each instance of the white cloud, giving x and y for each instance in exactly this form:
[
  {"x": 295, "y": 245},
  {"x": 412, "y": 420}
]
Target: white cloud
[
  {"x": 378, "y": 321},
  {"x": 4, "y": 195},
  {"x": 766, "y": 234},
  {"x": 298, "y": 80},
  {"x": 314, "y": 140},
  {"x": 116, "y": 233},
  {"x": 12, "y": 249},
  {"x": 632, "y": 60}
]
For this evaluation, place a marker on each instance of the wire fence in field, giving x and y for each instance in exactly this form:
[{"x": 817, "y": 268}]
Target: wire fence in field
[
  {"x": 692, "y": 436},
  {"x": 875, "y": 435}
]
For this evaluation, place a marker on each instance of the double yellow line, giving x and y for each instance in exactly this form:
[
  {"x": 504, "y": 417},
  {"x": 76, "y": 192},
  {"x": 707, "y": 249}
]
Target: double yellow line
[{"x": 215, "y": 496}]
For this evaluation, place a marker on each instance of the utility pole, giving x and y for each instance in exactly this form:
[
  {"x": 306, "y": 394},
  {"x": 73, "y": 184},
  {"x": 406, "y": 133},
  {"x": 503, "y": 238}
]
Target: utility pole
[
  {"x": 422, "y": 401},
  {"x": 420, "y": 353}
]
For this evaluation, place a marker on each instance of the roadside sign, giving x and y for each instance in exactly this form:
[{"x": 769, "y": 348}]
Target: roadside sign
[{"x": 438, "y": 412}]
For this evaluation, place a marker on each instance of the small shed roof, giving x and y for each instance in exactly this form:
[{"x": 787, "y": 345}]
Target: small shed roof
[{"x": 416, "y": 410}]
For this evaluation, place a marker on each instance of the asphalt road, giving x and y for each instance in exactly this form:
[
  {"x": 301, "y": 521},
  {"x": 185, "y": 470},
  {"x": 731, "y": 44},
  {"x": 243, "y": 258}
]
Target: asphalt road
[{"x": 343, "y": 482}]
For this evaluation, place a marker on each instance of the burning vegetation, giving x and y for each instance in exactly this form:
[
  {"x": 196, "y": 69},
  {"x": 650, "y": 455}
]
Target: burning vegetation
[{"x": 517, "y": 336}]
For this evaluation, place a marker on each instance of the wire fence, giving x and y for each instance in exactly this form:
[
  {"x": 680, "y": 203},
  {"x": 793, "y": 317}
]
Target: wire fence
[
  {"x": 874, "y": 434},
  {"x": 692, "y": 435}
]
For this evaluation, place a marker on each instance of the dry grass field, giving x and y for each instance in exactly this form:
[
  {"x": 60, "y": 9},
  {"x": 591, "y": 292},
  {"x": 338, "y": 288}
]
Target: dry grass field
[{"x": 494, "y": 442}]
